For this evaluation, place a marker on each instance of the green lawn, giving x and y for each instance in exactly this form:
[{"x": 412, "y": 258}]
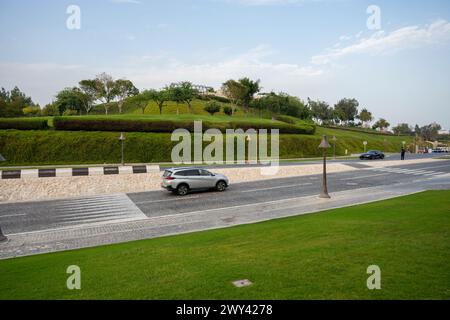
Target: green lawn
[{"x": 317, "y": 256}]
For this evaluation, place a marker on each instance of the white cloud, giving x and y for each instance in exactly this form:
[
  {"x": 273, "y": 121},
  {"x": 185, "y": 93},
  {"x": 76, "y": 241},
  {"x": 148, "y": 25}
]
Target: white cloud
[
  {"x": 43, "y": 81},
  {"x": 381, "y": 42}
]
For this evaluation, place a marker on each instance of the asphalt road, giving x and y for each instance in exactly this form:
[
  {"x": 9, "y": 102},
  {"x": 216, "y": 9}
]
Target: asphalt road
[
  {"x": 25, "y": 217},
  {"x": 390, "y": 156}
]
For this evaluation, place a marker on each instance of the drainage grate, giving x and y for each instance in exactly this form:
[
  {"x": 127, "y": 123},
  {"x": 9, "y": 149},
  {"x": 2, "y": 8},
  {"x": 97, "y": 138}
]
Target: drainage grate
[{"x": 242, "y": 283}]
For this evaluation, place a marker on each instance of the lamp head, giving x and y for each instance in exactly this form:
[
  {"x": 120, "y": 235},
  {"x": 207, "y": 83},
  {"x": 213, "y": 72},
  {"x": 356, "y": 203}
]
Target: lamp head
[{"x": 324, "y": 144}]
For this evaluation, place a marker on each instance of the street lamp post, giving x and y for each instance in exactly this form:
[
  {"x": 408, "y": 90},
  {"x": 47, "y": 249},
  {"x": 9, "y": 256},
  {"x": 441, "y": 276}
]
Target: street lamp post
[
  {"x": 324, "y": 145},
  {"x": 334, "y": 147},
  {"x": 122, "y": 140}
]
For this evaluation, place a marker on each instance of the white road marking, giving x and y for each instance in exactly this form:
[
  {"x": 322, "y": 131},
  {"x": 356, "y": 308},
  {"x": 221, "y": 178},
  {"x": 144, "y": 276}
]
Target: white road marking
[
  {"x": 94, "y": 209},
  {"x": 278, "y": 187},
  {"x": 13, "y": 215},
  {"x": 414, "y": 172},
  {"x": 368, "y": 176},
  {"x": 167, "y": 200}
]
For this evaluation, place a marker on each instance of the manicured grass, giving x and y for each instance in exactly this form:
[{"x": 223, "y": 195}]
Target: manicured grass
[
  {"x": 317, "y": 256},
  {"x": 49, "y": 147}
]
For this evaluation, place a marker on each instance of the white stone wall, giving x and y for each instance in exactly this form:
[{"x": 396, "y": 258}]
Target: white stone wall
[{"x": 34, "y": 189}]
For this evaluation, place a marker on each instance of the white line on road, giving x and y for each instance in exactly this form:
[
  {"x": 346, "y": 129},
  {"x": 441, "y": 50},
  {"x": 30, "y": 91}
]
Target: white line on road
[
  {"x": 368, "y": 176},
  {"x": 13, "y": 215},
  {"x": 166, "y": 200},
  {"x": 279, "y": 187}
]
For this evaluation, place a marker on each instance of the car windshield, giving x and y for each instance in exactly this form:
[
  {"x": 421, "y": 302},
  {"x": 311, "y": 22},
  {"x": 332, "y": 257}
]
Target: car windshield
[
  {"x": 373, "y": 151},
  {"x": 167, "y": 173}
]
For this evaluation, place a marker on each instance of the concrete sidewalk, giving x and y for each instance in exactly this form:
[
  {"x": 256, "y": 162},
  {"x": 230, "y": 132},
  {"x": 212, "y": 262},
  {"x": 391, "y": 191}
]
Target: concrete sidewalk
[{"x": 60, "y": 239}]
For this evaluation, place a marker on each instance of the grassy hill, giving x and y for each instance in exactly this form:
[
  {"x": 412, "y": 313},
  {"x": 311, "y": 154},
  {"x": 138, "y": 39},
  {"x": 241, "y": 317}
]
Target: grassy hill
[
  {"x": 51, "y": 147},
  {"x": 55, "y": 147}
]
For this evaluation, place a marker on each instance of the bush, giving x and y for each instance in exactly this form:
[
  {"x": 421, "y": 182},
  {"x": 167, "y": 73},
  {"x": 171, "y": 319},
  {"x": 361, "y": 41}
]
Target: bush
[
  {"x": 50, "y": 110},
  {"x": 212, "y": 107},
  {"x": 24, "y": 124},
  {"x": 70, "y": 112},
  {"x": 228, "y": 111},
  {"x": 31, "y": 111},
  {"x": 168, "y": 126},
  {"x": 285, "y": 119},
  {"x": 219, "y": 99}
]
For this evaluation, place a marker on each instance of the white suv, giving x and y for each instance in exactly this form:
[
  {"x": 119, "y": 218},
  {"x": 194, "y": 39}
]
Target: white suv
[{"x": 182, "y": 180}]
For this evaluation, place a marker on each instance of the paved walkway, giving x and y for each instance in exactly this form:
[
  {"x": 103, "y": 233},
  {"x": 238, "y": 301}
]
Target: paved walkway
[{"x": 108, "y": 233}]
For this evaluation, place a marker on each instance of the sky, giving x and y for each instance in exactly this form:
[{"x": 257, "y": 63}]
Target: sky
[{"x": 392, "y": 56}]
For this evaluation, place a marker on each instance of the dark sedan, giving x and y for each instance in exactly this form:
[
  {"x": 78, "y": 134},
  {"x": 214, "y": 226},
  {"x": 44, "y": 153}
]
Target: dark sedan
[{"x": 372, "y": 155}]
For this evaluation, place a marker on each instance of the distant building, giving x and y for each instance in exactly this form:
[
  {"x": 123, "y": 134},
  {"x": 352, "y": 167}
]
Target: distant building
[
  {"x": 202, "y": 89},
  {"x": 444, "y": 132}
]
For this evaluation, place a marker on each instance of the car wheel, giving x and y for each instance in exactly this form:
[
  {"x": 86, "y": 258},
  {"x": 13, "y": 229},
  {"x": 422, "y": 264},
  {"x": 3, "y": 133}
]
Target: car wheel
[
  {"x": 182, "y": 190},
  {"x": 221, "y": 186}
]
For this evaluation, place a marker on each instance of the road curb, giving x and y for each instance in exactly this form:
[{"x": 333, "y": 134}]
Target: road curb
[{"x": 76, "y": 172}]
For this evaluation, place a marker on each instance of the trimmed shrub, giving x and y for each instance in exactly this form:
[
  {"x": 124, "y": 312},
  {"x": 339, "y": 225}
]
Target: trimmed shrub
[
  {"x": 24, "y": 124},
  {"x": 283, "y": 118},
  {"x": 168, "y": 126},
  {"x": 220, "y": 99},
  {"x": 63, "y": 147},
  {"x": 228, "y": 110},
  {"x": 212, "y": 107}
]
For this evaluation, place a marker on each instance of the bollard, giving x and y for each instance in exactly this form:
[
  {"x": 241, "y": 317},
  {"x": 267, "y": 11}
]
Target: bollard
[{"x": 2, "y": 236}]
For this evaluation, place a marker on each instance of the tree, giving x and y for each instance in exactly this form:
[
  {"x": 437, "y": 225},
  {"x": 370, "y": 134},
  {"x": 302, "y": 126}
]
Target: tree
[
  {"x": 402, "y": 129},
  {"x": 430, "y": 132},
  {"x": 70, "y": 99},
  {"x": 251, "y": 88},
  {"x": 50, "y": 109},
  {"x": 235, "y": 91},
  {"x": 321, "y": 111},
  {"x": 160, "y": 97},
  {"x": 188, "y": 93},
  {"x": 346, "y": 110},
  {"x": 31, "y": 111},
  {"x": 124, "y": 89},
  {"x": 13, "y": 102},
  {"x": 176, "y": 94},
  {"x": 89, "y": 89},
  {"x": 212, "y": 107},
  {"x": 142, "y": 99},
  {"x": 381, "y": 124},
  {"x": 282, "y": 103},
  {"x": 106, "y": 89},
  {"x": 365, "y": 116}
]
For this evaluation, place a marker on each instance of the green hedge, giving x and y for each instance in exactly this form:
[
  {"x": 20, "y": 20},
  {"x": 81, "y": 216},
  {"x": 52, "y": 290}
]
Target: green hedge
[
  {"x": 65, "y": 147},
  {"x": 24, "y": 124},
  {"x": 168, "y": 126}
]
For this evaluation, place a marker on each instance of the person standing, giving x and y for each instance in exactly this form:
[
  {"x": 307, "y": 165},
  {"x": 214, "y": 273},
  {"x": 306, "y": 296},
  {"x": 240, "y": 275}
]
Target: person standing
[{"x": 403, "y": 153}]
